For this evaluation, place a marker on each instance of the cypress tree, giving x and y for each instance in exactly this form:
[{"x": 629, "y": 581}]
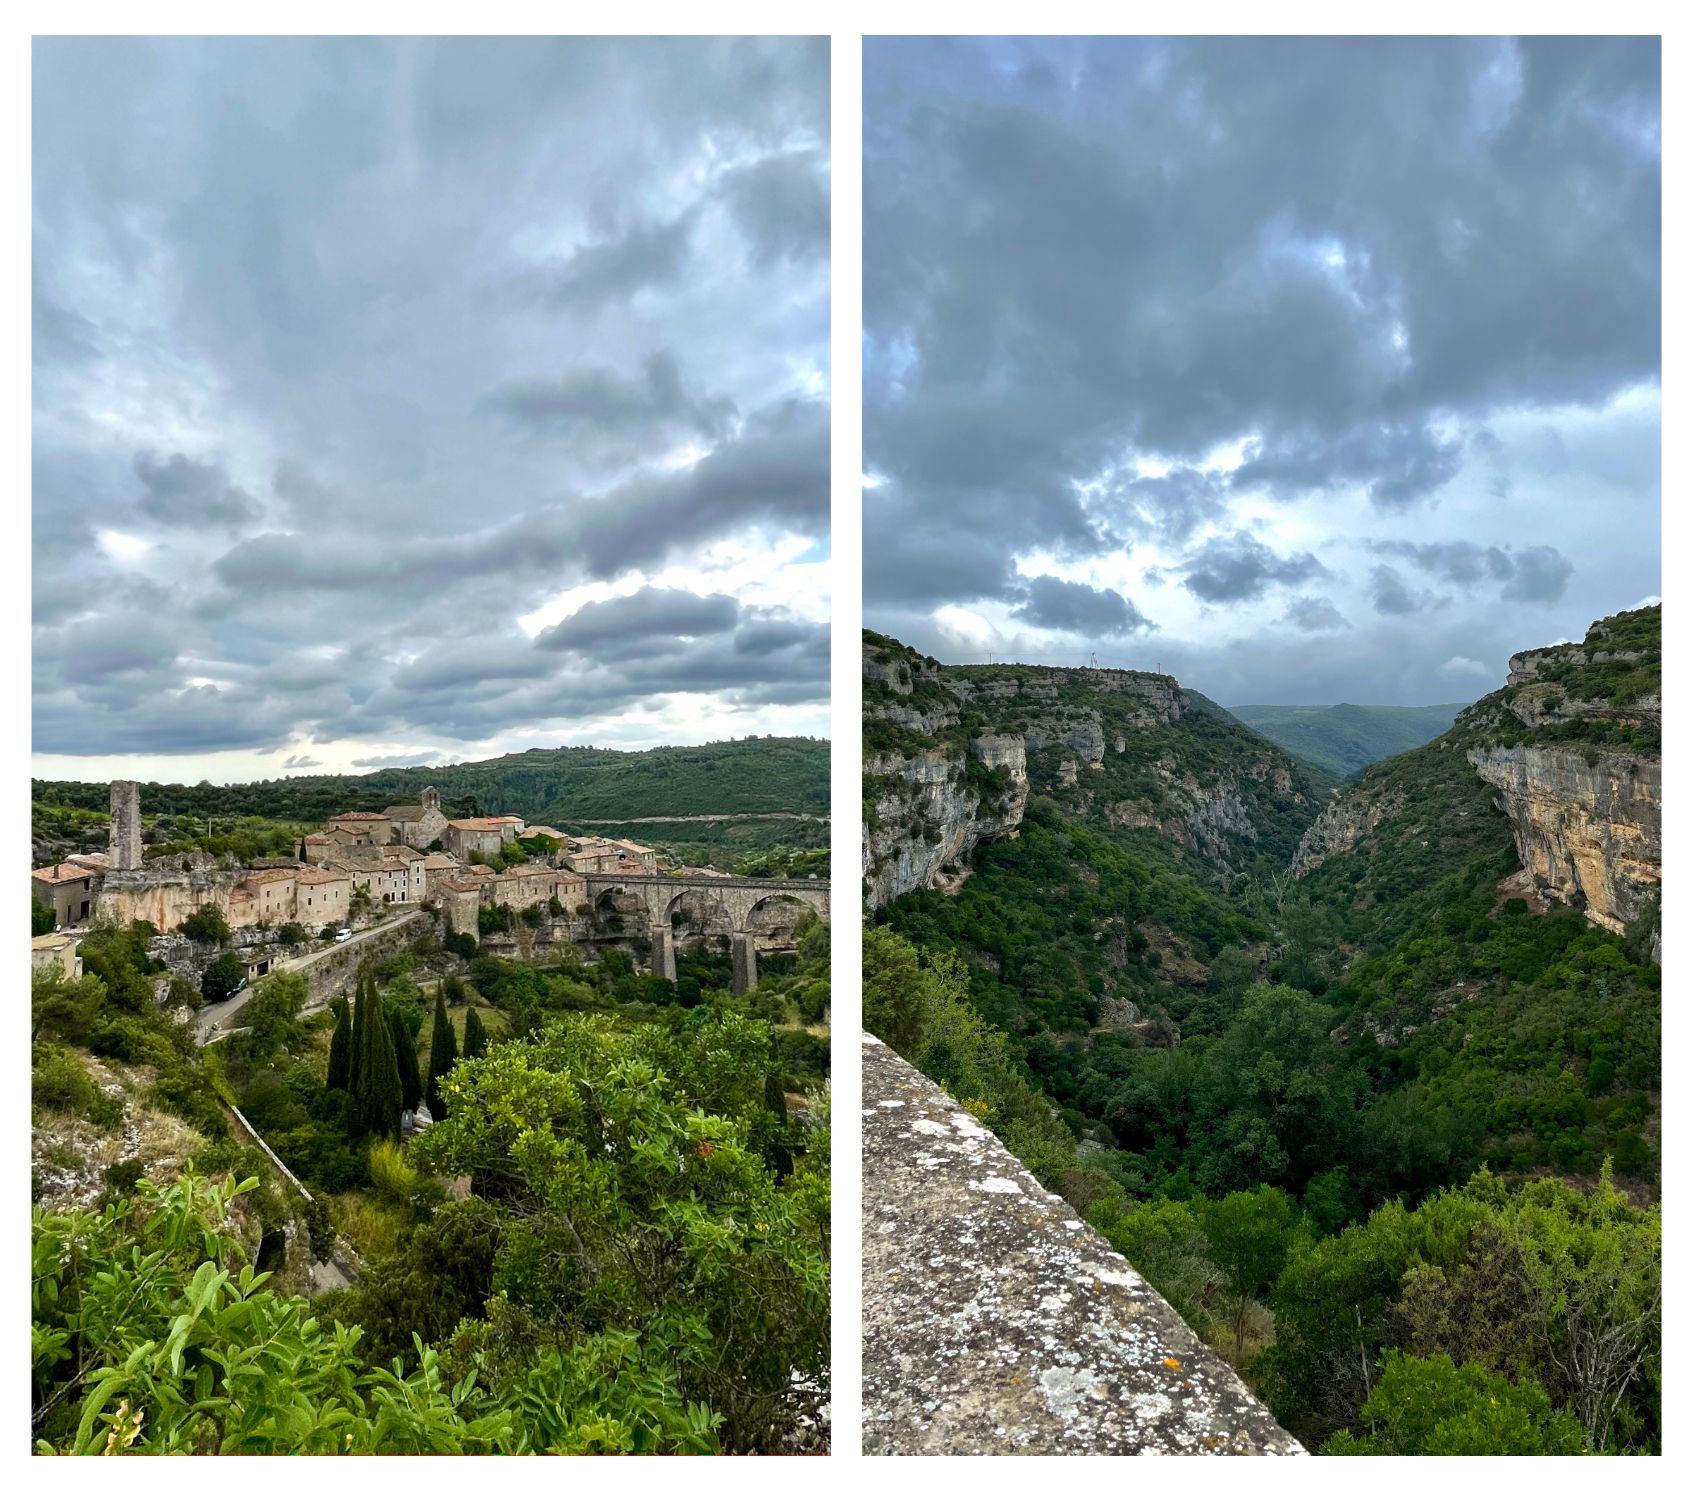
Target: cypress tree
[
  {"x": 475, "y": 1037},
  {"x": 340, "y": 1076},
  {"x": 361, "y": 1006},
  {"x": 443, "y": 1051},
  {"x": 376, "y": 1092},
  {"x": 405, "y": 1057}
]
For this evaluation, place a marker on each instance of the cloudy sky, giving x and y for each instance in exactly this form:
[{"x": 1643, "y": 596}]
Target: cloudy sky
[
  {"x": 1314, "y": 371},
  {"x": 423, "y": 400}
]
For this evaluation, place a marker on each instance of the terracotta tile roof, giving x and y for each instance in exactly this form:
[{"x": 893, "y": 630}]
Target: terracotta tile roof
[
  {"x": 440, "y": 861},
  {"x": 61, "y": 874},
  {"x": 357, "y": 817},
  {"x": 538, "y": 830},
  {"x": 322, "y": 876},
  {"x": 478, "y": 824},
  {"x": 269, "y": 876}
]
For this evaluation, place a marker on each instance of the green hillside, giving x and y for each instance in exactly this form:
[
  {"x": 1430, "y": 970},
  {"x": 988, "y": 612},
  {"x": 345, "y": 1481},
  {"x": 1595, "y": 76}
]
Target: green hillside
[
  {"x": 1343, "y": 738},
  {"x": 755, "y": 775}
]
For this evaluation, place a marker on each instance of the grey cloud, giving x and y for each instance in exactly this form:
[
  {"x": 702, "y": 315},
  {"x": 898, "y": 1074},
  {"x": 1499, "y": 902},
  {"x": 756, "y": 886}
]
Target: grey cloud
[
  {"x": 301, "y": 763},
  {"x": 398, "y": 762},
  {"x": 1062, "y": 605},
  {"x": 1391, "y": 596},
  {"x": 1348, "y": 255},
  {"x": 782, "y": 203},
  {"x": 1542, "y": 574},
  {"x": 1239, "y": 567},
  {"x": 190, "y": 493},
  {"x": 1310, "y": 614},
  {"x": 1537, "y": 574},
  {"x": 376, "y": 234},
  {"x": 598, "y": 403},
  {"x": 647, "y": 256},
  {"x": 630, "y": 623}
]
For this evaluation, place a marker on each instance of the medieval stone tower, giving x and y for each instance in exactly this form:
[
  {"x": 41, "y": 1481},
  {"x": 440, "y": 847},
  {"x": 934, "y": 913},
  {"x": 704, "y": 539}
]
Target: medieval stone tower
[
  {"x": 126, "y": 825},
  {"x": 431, "y": 799}
]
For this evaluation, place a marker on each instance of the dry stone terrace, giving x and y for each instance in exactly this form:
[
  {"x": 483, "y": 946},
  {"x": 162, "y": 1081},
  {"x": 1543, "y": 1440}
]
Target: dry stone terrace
[{"x": 997, "y": 1322}]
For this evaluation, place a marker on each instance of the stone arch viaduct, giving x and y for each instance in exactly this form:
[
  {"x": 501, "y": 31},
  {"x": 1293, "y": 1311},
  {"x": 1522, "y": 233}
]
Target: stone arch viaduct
[{"x": 732, "y": 900}]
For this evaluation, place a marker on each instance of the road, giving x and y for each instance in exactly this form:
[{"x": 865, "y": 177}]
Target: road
[{"x": 215, "y": 1017}]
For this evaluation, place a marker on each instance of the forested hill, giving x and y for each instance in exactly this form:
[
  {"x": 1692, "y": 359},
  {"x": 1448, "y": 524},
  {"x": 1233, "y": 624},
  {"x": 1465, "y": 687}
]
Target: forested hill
[
  {"x": 1343, "y": 738},
  {"x": 753, "y": 775}
]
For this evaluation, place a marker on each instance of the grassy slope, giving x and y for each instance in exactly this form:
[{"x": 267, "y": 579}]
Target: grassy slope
[{"x": 1343, "y": 738}]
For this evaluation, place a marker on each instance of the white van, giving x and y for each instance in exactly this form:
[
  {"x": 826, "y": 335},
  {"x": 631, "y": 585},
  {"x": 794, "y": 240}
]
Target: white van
[{"x": 344, "y": 934}]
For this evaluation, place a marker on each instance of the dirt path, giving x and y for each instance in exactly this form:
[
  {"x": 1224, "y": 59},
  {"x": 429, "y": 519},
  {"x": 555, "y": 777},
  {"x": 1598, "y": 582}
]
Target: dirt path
[{"x": 705, "y": 817}]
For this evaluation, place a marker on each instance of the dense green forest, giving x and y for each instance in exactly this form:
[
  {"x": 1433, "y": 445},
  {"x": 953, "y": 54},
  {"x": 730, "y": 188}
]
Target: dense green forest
[
  {"x": 754, "y": 775},
  {"x": 1342, "y": 738},
  {"x": 1386, "y": 1135},
  {"x": 613, "y": 1238}
]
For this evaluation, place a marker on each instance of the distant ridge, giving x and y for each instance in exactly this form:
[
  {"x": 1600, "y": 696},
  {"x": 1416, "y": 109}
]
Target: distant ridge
[{"x": 1344, "y": 738}]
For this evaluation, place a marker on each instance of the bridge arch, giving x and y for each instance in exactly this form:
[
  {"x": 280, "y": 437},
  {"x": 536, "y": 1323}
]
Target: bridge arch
[{"x": 697, "y": 911}]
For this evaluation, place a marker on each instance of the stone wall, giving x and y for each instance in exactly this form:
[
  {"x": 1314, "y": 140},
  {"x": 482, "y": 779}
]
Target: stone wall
[{"x": 997, "y": 1322}]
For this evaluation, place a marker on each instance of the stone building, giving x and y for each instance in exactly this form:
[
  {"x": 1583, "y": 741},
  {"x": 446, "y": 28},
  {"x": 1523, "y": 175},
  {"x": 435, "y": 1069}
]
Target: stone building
[
  {"x": 55, "y": 950},
  {"x": 421, "y": 825},
  {"x": 465, "y": 836},
  {"x": 362, "y": 829},
  {"x": 608, "y": 856},
  {"x": 70, "y": 890},
  {"x": 323, "y": 896}
]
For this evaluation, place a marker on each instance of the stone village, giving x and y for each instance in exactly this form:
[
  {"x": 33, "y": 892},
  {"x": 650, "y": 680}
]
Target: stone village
[{"x": 364, "y": 866}]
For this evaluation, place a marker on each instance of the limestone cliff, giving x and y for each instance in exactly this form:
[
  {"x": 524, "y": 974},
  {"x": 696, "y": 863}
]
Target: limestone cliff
[
  {"x": 1589, "y": 827},
  {"x": 1349, "y": 817},
  {"x": 952, "y": 754},
  {"x": 1570, "y": 747},
  {"x": 926, "y": 811}
]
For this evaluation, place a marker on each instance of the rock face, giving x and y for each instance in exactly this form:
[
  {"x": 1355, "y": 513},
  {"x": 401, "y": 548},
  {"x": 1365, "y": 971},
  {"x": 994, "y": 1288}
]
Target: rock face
[
  {"x": 997, "y": 1322},
  {"x": 1346, "y": 820},
  {"x": 1589, "y": 827},
  {"x": 952, "y": 755},
  {"x": 924, "y": 812}
]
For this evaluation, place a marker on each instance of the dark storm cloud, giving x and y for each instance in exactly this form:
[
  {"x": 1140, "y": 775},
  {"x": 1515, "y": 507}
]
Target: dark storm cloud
[
  {"x": 1060, "y": 605},
  {"x": 351, "y": 352},
  {"x": 1340, "y": 274},
  {"x": 1239, "y": 567}
]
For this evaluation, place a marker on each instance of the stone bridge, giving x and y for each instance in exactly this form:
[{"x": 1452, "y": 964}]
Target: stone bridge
[{"x": 742, "y": 909}]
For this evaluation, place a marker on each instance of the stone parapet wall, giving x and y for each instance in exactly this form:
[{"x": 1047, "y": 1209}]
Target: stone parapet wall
[{"x": 997, "y": 1322}]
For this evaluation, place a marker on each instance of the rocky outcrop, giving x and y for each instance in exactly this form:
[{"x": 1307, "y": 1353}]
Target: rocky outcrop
[
  {"x": 1205, "y": 818},
  {"x": 1588, "y": 823},
  {"x": 1343, "y": 824},
  {"x": 997, "y": 1322},
  {"x": 926, "y": 812}
]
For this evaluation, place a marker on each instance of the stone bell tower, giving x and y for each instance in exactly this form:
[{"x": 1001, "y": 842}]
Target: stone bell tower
[
  {"x": 125, "y": 850},
  {"x": 431, "y": 799}
]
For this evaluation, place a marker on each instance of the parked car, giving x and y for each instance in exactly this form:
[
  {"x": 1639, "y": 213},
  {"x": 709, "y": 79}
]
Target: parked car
[{"x": 344, "y": 934}]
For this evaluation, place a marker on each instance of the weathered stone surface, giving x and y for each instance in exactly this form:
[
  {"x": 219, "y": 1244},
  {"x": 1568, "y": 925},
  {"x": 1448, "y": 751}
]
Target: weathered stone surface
[
  {"x": 1349, "y": 818},
  {"x": 997, "y": 1322},
  {"x": 926, "y": 815},
  {"x": 1590, "y": 831}
]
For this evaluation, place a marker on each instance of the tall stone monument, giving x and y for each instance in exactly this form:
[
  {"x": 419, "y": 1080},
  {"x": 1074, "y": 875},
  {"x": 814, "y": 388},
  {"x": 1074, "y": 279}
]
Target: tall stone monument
[{"x": 125, "y": 850}]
